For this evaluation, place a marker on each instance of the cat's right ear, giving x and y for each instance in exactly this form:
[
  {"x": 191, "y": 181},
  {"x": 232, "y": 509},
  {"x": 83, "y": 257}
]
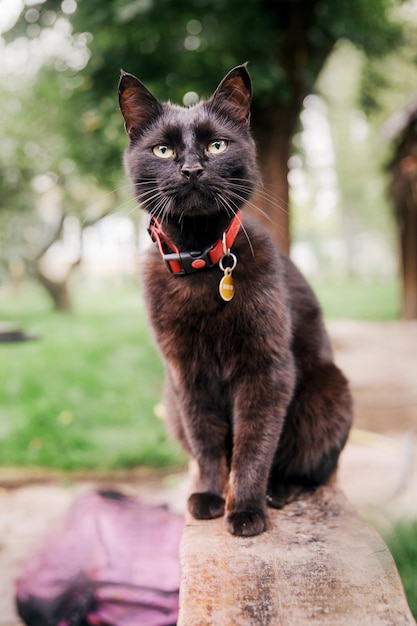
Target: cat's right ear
[{"x": 138, "y": 106}]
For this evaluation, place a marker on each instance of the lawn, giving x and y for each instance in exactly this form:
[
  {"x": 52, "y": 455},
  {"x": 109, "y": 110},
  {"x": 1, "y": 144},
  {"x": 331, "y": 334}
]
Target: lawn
[
  {"x": 83, "y": 394},
  {"x": 360, "y": 300}
]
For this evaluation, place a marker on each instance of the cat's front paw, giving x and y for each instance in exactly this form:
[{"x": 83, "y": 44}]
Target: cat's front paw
[
  {"x": 247, "y": 523},
  {"x": 205, "y": 505}
]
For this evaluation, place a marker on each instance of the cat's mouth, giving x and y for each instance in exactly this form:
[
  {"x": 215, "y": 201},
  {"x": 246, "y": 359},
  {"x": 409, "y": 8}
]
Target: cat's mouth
[
  {"x": 193, "y": 199},
  {"x": 198, "y": 197}
]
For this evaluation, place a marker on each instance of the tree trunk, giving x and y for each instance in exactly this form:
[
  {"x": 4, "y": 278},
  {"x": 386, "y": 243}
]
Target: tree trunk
[
  {"x": 403, "y": 190},
  {"x": 57, "y": 290},
  {"x": 273, "y": 130},
  {"x": 408, "y": 240}
]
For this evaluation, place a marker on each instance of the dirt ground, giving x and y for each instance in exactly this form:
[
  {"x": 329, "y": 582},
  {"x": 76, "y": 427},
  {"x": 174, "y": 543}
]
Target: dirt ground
[{"x": 378, "y": 469}]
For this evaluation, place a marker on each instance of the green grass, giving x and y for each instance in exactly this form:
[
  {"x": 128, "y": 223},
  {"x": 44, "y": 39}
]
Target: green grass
[
  {"x": 83, "y": 394},
  {"x": 359, "y": 300},
  {"x": 402, "y": 542}
]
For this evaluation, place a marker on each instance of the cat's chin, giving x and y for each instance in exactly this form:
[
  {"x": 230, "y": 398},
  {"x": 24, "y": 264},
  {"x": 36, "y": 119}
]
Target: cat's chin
[
  {"x": 195, "y": 207},
  {"x": 194, "y": 202}
]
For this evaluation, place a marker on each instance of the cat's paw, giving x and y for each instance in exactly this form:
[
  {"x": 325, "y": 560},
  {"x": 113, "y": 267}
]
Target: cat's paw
[
  {"x": 247, "y": 523},
  {"x": 283, "y": 494},
  {"x": 205, "y": 505}
]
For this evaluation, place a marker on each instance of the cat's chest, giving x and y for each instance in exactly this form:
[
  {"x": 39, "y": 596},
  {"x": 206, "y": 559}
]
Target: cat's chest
[
  {"x": 192, "y": 305},
  {"x": 195, "y": 328},
  {"x": 192, "y": 301}
]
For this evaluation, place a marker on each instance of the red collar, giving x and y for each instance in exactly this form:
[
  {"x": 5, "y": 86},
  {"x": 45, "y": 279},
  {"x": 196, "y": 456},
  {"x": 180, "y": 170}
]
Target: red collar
[{"x": 182, "y": 263}]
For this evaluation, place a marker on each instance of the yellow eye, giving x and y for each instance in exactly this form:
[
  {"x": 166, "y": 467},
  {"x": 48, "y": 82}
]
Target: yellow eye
[
  {"x": 163, "y": 152},
  {"x": 217, "y": 146}
]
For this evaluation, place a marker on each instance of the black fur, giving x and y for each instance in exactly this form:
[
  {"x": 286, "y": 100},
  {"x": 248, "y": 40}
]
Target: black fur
[{"x": 251, "y": 388}]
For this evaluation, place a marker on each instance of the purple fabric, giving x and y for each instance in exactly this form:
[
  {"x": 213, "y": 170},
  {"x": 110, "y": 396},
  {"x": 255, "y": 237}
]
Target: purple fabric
[{"x": 111, "y": 561}]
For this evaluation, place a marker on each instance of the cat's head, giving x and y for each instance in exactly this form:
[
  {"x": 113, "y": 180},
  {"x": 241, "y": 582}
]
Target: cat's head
[{"x": 191, "y": 161}]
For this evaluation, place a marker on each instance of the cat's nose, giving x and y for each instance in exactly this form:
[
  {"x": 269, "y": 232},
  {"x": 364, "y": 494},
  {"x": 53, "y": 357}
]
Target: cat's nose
[{"x": 192, "y": 171}]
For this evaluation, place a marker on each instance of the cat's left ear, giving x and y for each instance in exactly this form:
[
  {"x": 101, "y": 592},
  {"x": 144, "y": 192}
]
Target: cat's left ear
[
  {"x": 138, "y": 106},
  {"x": 234, "y": 94}
]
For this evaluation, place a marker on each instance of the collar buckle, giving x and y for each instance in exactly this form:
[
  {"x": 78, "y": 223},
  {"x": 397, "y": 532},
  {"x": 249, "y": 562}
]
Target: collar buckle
[{"x": 188, "y": 261}]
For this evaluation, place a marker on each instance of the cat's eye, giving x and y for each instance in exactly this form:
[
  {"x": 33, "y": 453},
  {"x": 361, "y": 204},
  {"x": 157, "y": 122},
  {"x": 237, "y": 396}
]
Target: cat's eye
[
  {"x": 217, "y": 146},
  {"x": 163, "y": 152}
]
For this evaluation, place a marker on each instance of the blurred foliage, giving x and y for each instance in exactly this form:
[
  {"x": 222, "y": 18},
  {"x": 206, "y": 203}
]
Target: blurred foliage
[
  {"x": 358, "y": 151},
  {"x": 402, "y": 542},
  {"x": 358, "y": 299},
  {"x": 358, "y": 94},
  {"x": 178, "y": 47},
  {"x": 63, "y": 133},
  {"x": 386, "y": 81}
]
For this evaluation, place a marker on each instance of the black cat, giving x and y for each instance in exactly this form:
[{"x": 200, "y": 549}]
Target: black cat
[{"x": 251, "y": 388}]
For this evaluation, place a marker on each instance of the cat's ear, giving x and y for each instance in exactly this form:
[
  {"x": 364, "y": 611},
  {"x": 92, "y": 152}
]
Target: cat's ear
[
  {"x": 138, "y": 106},
  {"x": 234, "y": 95}
]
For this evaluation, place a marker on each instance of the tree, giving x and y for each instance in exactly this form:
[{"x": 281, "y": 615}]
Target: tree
[
  {"x": 401, "y": 129},
  {"x": 392, "y": 105},
  {"x": 40, "y": 186},
  {"x": 182, "y": 47}
]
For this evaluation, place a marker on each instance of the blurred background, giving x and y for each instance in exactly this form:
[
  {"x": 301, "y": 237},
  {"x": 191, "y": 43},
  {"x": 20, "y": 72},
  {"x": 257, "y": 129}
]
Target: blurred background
[{"x": 334, "y": 117}]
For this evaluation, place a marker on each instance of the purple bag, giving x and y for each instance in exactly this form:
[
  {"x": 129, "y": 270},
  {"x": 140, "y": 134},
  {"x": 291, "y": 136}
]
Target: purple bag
[{"x": 112, "y": 561}]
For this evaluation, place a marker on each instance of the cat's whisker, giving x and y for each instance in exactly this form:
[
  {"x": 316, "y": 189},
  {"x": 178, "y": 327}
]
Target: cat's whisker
[
  {"x": 255, "y": 207},
  {"x": 261, "y": 189},
  {"x": 149, "y": 203},
  {"x": 181, "y": 221},
  {"x": 278, "y": 204},
  {"x": 146, "y": 181},
  {"x": 267, "y": 196},
  {"x": 163, "y": 211},
  {"x": 113, "y": 211},
  {"x": 218, "y": 202},
  {"x": 159, "y": 210},
  {"x": 147, "y": 192},
  {"x": 231, "y": 212},
  {"x": 151, "y": 200},
  {"x": 241, "y": 224},
  {"x": 165, "y": 201},
  {"x": 229, "y": 209},
  {"x": 245, "y": 232},
  {"x": 244, "y": 200},
  {"x": 125, "y": 203}
]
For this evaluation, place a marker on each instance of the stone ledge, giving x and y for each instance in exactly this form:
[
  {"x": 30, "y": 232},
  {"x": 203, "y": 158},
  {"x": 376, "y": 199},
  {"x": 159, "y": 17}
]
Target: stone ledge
[{"x": 319, "y": 563}]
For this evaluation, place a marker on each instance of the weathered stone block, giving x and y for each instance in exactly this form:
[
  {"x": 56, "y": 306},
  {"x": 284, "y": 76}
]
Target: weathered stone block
[{"x": 319, "y": 563}]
